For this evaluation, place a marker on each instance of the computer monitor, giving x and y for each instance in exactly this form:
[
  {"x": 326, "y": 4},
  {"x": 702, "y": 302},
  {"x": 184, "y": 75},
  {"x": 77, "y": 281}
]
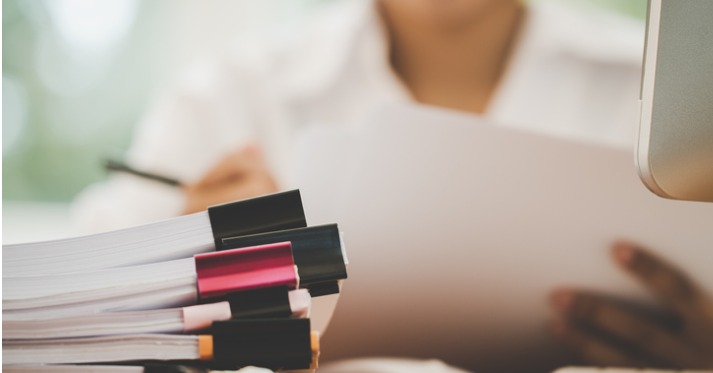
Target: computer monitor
[{"x": 675, "y": 147}]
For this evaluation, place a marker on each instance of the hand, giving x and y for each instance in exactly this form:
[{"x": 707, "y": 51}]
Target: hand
[
  {"x": 241, "y": 174},
  {"x": 607, "y": 333}
]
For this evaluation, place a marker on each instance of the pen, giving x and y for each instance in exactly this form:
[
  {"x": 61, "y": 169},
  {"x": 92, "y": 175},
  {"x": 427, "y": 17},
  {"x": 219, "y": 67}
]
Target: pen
[{"x": 111, "y": 165}]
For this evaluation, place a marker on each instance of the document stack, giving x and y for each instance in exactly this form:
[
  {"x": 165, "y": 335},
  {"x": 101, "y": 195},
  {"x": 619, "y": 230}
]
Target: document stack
[{"x": 222, "y": 289}]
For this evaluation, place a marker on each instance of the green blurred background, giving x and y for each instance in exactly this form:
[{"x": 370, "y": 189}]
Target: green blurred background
[{"x": 78, "y": 74}]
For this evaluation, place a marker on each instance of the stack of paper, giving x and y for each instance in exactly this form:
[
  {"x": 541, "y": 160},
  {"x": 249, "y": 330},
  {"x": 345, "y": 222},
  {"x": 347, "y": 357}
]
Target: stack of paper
[{"x": 226, "y": 288}]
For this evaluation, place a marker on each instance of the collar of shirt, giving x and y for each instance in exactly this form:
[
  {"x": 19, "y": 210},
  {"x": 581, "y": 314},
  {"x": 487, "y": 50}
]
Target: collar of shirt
[
  {"x": 350, "y": 29},
  {"x": 575, "y": 74}
]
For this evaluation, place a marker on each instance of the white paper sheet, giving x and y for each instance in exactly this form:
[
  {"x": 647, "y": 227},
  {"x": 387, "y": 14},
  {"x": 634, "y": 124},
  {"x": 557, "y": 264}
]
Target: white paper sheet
[{"x": 457, "y": 230}]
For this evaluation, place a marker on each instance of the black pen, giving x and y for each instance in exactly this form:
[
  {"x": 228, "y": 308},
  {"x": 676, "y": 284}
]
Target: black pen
[{"x": 112, "y": 165}]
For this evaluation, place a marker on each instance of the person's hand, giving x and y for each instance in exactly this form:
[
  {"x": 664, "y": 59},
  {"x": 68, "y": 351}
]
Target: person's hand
[
  {"x": 241, "y": 174},
  {"x": 605, "y": 332}
]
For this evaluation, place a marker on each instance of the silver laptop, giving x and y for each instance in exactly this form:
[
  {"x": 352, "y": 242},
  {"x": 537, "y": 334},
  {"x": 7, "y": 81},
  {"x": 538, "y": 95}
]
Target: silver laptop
[{"x": 675, "y": 149}]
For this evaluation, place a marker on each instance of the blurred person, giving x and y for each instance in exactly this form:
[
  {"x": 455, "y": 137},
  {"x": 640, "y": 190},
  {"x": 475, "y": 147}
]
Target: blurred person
[{"x": 228, "y": 130}]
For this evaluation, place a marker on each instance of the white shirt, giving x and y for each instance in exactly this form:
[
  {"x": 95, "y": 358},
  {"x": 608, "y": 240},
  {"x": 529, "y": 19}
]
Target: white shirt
[{"x": 573, "y": 74}]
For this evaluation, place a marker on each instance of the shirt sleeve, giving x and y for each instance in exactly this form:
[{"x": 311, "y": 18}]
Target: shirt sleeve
[{"x": 184, "y": 134}]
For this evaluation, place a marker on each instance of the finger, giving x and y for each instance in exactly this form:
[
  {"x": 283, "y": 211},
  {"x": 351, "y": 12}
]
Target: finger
[
  {"x": 640, "y": 335},
  {"x": 199, "y": 197},
  {"x": 234, "y": 165},
  {"x": 665, "y": 281},
  {"x": 241, "y": 189},
  {"x": 229, "y": 167},
  {"x": 592, "y": 349}
]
